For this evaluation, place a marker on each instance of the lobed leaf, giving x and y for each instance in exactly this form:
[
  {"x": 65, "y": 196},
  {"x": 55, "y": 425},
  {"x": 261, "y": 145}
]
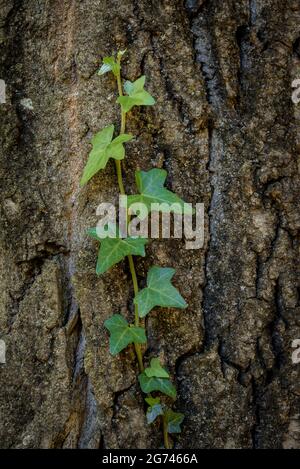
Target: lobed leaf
[
  {"x": 154, "y": 410},
  {"x": 163, "y": 385},
  {"x": 113, "y": 250},
  {"x": 103, "y": 149},
  {"x": 155, "y": 369},
  {"x": 123, "y": 334},
  {"x": 159, "y": 292},
  {"x": 174, "y": 420},
  {"x": 152, "y": 191},
  {"x": 137, "y": 96}
]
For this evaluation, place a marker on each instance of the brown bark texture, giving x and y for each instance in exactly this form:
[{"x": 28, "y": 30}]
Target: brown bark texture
[{"x": 226, "y": 130}]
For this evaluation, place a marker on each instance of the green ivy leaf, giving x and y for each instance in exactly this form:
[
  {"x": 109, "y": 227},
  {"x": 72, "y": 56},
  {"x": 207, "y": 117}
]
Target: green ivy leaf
[
  {"x": 103, "y": 149},
  {"x": 154, "y": 410},
  {"x": 159, "y": 292},
  {"x": 163, "y": 385},
  {"x": 156, "y": 370},
  {"x": 152, "y": 400},
  {"x": 137, "y": 96},
  {"x": 174, "y": 420},
  {"x": 123, "y": 334},
  {"x": 116, "y": 149},
  {"x": 113, "y": 250},
  {"x": 109, "y": 65},
  {"x": 151, "y": 188}
]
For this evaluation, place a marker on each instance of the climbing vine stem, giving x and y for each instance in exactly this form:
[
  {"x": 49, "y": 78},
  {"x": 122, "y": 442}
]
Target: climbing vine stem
[
  {"x": 165, "y": 432},
  {"x": 122, "y": 191},
  {"x": 153, "y": 378}
]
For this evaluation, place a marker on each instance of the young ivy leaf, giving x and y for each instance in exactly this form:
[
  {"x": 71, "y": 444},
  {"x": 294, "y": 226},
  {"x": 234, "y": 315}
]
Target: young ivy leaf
[
  {"x": 154, "y": 410},
  {"x": 151, "y": 188},
  {"x": 123, "y": 334},
  {"x": 155, "y": 369},
  {"x": 137, "y": 96},
  {"x": 113, "y": 250},
  {"x": 103, "y": 149},
  {"x": 159, "y": 292},
  {"x": 109, "y": 65},
  {"x": 174, "y": 420},
  {"x": 163, "y": 385},
  {"x": 152, "y": 400}
]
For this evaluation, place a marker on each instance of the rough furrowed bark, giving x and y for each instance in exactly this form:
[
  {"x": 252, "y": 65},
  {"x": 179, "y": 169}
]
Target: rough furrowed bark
[{"x": 227, "y": 131}]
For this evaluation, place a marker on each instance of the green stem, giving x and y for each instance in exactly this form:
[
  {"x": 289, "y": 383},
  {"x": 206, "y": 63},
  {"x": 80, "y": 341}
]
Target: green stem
[
  {"x": 166, "y": 435},
  {"x": 119, "y": 176},
  {"x": 135, "y": 288},
  {"x": 120, "y": 90},
  {"x": 131, "y": 261},
  {"x": 130, "y": 258}
]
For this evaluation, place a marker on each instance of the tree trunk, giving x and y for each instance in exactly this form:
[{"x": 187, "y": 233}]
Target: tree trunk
[{"x": 227, "y": 131}]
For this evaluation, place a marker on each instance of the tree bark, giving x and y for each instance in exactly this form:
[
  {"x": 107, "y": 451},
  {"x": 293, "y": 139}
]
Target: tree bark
[{"x": 226, "y": 130}]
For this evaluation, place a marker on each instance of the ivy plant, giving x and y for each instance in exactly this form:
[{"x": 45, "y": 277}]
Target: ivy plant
[
  {"x": 159, "y": 291},
  {"x": 155, "y": 381},
  {"x": 152, "y": 191}
]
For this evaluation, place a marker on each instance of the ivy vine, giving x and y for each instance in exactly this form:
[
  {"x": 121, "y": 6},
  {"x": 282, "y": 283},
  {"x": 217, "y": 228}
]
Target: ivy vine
[{"x": 159, "y": 291}]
